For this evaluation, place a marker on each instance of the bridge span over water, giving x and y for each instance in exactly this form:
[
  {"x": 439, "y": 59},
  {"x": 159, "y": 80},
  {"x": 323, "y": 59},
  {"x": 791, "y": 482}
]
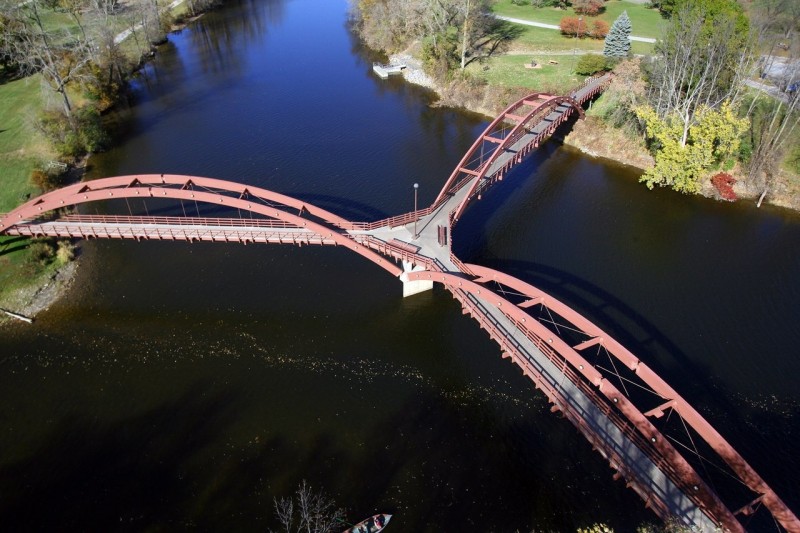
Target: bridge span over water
[{"x": 612, "y": 397}]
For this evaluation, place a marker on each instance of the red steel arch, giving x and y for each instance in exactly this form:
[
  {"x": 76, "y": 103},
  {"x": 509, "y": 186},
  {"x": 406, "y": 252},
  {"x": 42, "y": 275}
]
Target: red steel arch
[
  {"x": 206, "y": 190},
  {"x": 682, "y": 473},
  {"x": 497, "y": 133}
]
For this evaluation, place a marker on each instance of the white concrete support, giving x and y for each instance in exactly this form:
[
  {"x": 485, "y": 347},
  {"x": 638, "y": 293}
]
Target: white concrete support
[{"x": 413, "y": 287}]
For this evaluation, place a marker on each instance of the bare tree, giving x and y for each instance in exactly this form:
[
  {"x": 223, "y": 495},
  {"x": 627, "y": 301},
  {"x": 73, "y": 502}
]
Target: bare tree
[
  {"x": 697, "y": 66},
  {"x": 774, "y": 121},
  {"x": 308, "y": 511},
  {"x": 60, "y": 57}
]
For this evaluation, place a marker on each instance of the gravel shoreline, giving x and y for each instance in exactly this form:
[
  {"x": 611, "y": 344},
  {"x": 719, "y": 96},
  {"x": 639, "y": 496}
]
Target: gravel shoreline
[
  {"x": 30, "y": 301},
  {"x": 413, "y": 72}
]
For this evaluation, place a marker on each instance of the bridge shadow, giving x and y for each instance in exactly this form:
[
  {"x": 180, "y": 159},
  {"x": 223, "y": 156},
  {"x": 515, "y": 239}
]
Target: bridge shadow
[
  {"x": 125, "y": 476},
  {"x": 9, "y": 245},
  {"x": 349, "y": 209},
  {"x": 629, "y": 327},
  {"x": 420, "y": 454},
  {"x": 168, "y": 466},
  {"x": 344, "y": 207}
]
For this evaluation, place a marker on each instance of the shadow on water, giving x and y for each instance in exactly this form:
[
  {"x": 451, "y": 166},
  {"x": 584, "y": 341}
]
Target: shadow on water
[
  {"x": 423, "y": 449},
  {"x": 127, "y": 475}
]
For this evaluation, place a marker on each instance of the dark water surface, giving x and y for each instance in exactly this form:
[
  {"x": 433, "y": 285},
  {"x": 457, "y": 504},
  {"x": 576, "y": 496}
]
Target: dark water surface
[{"x": 186, "y": 385}]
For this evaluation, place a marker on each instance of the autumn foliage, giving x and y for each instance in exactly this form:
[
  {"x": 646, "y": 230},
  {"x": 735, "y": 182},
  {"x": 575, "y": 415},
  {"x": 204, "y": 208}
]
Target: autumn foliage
[
  {"x": 723, "y": 182},
  {"x": 573, "y": 26},
  {"x": 599, "y": 29},
  {"x": 587, "y": 7},
  {"x": 576, "y": 26}
]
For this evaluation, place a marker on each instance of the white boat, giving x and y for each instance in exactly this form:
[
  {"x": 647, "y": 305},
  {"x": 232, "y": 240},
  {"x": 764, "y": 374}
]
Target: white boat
[{"x": 373, "y": 524}]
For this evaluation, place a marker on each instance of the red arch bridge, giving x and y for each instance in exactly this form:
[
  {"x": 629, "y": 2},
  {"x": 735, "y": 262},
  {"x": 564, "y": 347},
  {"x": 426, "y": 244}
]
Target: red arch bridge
[{"x": 612, "y": 397}]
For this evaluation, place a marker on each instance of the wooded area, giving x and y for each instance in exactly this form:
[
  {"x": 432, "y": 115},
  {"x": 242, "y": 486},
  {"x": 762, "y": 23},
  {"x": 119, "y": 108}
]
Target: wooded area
[{"x": 703, "y": 109}]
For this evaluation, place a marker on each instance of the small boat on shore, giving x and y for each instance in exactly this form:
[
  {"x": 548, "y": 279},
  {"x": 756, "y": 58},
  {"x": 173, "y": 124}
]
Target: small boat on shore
[{"x": 373, "y": 524}]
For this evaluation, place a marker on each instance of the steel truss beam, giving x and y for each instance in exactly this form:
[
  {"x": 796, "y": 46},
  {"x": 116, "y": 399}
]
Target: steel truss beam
[
  {"x": 205, "y": 190},
  {"x": 685, "y": 476}
]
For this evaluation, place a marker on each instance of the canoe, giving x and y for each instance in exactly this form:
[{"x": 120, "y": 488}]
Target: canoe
[{"x": 373, "y": 524}]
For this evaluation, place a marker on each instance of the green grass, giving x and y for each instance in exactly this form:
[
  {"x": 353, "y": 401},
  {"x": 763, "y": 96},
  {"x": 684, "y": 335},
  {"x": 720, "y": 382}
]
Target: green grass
[
  {"x": 510, "y": 71},
  {"x": 645, "y": 22},
  {"x": 21, "y": 147}
]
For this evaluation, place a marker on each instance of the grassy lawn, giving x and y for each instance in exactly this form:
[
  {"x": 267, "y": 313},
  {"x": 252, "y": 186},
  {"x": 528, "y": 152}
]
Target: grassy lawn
[
  {"x": 21, "y": 147},
  {"x": 510, "y": 71},
  {"x": 645, "y": 22}
]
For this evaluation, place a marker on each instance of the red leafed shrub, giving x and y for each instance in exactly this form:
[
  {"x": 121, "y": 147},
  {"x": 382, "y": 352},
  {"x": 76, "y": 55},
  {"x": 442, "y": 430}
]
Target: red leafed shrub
[
  {"x": 587, "y": 7},
  {"x": 599, "y": 29},
  {"x": 573, "y": 26},
  {"x": 723, "y": 182}
]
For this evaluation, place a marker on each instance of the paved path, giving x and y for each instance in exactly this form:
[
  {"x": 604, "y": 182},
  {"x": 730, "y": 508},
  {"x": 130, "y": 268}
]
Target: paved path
[
  {"x": 127, "y": 33},
  {"x": 554, "y": 27}
]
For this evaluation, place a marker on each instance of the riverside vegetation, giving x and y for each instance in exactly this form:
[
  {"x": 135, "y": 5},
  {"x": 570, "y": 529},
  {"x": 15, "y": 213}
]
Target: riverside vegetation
[
  {"x": 683, "y": 109},
  {"x": 63, "y": 63},
  {"x": 678, "y": 109}
]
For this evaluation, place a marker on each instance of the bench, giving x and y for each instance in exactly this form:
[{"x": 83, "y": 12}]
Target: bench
[{"x": 406, "y": 247}]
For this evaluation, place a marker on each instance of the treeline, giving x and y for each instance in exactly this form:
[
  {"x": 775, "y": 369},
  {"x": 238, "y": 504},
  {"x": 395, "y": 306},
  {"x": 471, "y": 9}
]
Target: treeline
[
  {"x": 84, "y": 51},
  {"x": 452, "y": 33},
  {"x": 699, "y": 111},
  {"x": 692, "y": 99}
]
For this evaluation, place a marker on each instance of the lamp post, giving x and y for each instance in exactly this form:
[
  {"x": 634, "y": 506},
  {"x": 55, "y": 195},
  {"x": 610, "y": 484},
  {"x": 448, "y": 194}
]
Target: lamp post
[{"x": 416, "y": 187}]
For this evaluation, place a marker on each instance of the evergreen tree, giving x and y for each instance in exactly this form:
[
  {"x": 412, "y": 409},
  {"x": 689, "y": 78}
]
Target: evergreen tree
[{"x": 618, "y": 42}]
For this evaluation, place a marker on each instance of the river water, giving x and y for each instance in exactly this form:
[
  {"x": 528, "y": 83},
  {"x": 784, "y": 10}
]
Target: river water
[{"x": 187, "y": 385}]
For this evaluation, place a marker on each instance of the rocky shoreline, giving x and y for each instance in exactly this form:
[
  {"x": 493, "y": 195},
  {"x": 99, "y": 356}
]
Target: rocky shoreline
[{"x": 31, "y": 300}]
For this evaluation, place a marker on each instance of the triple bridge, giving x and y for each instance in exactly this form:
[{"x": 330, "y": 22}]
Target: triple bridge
[{"x": 649, "y": 434}]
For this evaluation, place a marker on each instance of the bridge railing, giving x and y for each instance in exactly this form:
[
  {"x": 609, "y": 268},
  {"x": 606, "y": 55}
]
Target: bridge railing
[
  {"x": 400, "y": 253},
  {"x": 496, "y": 332},
  {"x": 391, "y": 222},
  {"x": 177, "y": 221}
]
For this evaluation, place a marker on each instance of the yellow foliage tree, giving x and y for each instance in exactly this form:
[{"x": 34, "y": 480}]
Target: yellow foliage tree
[{"x": 713, "y": 137}]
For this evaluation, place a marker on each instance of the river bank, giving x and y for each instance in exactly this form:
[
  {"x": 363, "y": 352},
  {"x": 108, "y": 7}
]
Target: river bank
[
  {"x": 593, "y": 137},
  {"x": 46, "y": 288}
]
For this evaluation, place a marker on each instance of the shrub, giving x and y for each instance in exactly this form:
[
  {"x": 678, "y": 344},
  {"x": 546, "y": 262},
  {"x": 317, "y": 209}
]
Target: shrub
[
  {"x": 74, "y": 138},
  {"x": 599, "y": 29},
  {"x": 560, "y": 4},
  {"x": 41, "y": 252},
  {"x": 723, "y": 182},
  {"x": 588, "y": 7},
  {"x": 46, "y": 180},
  {"x": 590, "y": 64},
  {"x": 573, "y": 26},
  {"x": 65, "y": 252},
  {"x": 520, "y": 2}
]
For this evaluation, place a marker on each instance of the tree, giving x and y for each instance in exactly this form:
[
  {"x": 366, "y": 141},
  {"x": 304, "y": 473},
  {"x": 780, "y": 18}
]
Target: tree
[
  {"x": 618, "y": 40},
  {"x": 481, "y": 33},
  {"x": 599, "y": 29},
  {"x": 60, "y": 57},
  {"x": 588, "y": 7},
  {"x": 773, "y": 120},
  {"x": 308, "y": 511},
  {"x": 573, "y": 26},
  {"x": 700, "y": 62},
  {"x": 682, "y": 161}
]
